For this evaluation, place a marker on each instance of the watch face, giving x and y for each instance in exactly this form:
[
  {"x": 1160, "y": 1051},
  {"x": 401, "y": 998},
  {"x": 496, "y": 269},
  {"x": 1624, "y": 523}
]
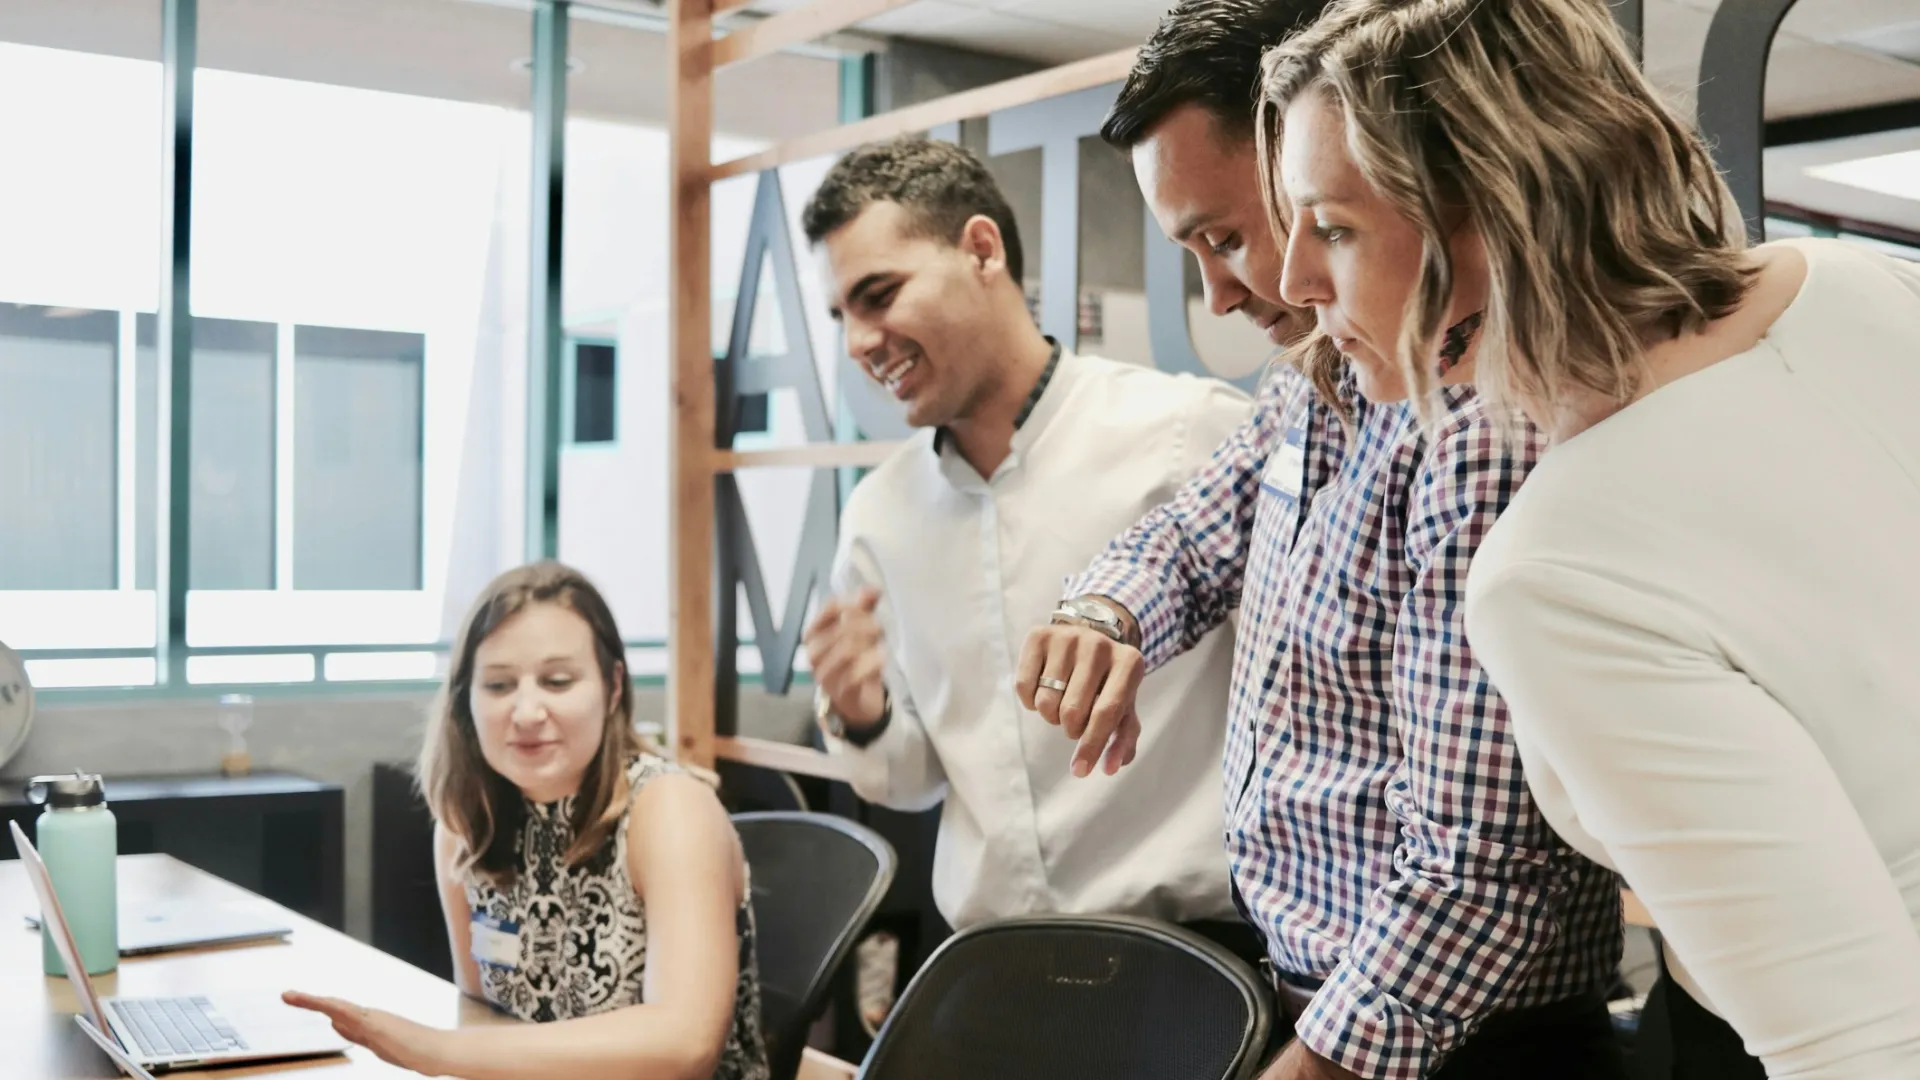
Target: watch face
[{"x": 1095, "y": 611}]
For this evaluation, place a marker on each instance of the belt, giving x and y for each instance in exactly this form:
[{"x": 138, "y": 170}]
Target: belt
[{"x": 1292, "y": 993}]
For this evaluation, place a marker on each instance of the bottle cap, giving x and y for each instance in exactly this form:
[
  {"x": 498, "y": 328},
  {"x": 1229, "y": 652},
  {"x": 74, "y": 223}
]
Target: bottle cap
[{"x": 73, "y": 791}]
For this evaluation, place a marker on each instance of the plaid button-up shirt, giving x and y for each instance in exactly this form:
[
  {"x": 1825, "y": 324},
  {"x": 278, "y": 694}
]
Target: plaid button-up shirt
[{"x": 1379, "y": 830}]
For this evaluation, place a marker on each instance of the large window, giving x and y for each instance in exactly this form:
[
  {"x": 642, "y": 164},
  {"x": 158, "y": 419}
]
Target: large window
[
  {"x": 358, "y": 404},
  {"x": 59, "y": 395},
  {"x": 359, "y": 260},
  {"x": 357, "y": 453},
  {"x": 79, "y": 259}
]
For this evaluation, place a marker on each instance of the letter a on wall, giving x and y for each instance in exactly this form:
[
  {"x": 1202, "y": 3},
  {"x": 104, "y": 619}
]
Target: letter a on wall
[{"x": 740, "y": 376}]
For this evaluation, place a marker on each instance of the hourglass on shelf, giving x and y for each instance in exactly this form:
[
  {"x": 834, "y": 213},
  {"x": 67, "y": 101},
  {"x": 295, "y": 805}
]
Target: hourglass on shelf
[{"x": 236, "y": 716}]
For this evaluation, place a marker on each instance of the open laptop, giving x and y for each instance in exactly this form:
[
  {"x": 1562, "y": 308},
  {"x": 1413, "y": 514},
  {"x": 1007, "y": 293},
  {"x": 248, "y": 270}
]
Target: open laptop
[
  {"x": 176, "y": 1033},
  {"x": 165, "y": 927},
  {"x": 113, "y": 1050}
]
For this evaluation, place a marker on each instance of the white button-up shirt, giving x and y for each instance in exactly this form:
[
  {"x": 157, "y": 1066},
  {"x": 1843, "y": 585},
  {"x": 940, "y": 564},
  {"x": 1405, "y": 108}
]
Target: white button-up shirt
[{"x": 966, "y": 568}]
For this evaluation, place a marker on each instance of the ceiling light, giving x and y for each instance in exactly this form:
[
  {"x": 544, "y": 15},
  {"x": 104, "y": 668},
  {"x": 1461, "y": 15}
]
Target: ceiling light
[{"x": 1897, "y": 175}]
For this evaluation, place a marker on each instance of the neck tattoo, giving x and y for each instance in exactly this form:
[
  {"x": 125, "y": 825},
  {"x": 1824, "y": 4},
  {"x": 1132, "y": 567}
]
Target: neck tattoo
[{"x": 1453, "y": 346}]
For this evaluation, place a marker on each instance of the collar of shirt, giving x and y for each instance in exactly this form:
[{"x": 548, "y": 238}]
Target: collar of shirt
[
  {"x": 1055, "y": 385},
  {"x": 1026, "y": 408}
]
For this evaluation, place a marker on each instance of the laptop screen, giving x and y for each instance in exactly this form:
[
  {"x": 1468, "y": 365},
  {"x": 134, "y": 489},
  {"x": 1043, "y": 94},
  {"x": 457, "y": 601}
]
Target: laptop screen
[{"x": 54, "y": 921}]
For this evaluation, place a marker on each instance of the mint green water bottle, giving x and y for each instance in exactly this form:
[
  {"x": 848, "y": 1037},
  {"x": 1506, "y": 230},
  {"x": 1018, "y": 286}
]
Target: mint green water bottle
[{"x": 79, "y": 841}]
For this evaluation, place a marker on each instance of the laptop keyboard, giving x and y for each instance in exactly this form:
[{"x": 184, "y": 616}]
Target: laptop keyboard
[{"x": 170, "y": 1027}]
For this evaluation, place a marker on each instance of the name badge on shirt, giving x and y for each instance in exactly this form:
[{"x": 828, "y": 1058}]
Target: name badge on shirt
[
  {"x": 1286, "y": 469},
  {"x": 496, "y": 941}
]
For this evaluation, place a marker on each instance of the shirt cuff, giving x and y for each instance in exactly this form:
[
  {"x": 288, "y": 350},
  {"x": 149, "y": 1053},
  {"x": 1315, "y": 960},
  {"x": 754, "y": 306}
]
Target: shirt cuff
[
  {"x": 1362, "y": 1029},
  {"x": 862, "y": 737},
  {"x": 1125, "y": 585},
  {"x": 870, "y": 763}
]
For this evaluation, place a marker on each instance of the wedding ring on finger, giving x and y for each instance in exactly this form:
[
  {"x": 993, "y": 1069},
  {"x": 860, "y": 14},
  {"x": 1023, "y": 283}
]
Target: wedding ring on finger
[{"x": 1056, "y": 685}]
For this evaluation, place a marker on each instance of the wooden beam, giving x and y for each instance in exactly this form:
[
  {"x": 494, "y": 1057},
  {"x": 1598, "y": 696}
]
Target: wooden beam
[
  {"x": 784, "y": 757},
  {"x": 690, "y": 603},
  {"x": 802, "y": 24},
  {"x": 1094, "y": 71},
  {"x": 814, "y": 456}
]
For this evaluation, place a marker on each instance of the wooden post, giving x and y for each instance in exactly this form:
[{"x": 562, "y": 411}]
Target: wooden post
[{"x": 690, "y": 689}]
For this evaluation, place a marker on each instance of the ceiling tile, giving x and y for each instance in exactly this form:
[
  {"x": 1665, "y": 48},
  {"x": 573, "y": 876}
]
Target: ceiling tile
[
  {"x": 1900, "y": 42},
  {"x": 907, "y": 20},
  {"x": 1830, "y": 20},
  {"x": 924, "y": 17},
  {"x": 1023, "y": 38},
  {"x": 1805, "y": 78},
  {"x": 1131, "y": 19}
]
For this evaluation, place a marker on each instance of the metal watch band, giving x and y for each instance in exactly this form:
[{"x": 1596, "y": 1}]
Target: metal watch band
[{"x": 1066, "y": 613}]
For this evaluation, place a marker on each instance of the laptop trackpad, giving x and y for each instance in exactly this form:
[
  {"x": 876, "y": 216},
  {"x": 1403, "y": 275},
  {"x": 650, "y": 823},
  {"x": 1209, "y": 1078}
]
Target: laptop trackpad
[{"x": 270, "y": 1026}]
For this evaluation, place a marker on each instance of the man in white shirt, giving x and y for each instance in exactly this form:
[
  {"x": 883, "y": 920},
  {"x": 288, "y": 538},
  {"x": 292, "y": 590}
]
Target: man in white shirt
[{"x": 1028, "y": 459}]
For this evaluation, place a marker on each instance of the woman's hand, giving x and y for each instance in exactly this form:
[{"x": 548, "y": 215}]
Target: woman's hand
[{"x": 395, "y": 1040}]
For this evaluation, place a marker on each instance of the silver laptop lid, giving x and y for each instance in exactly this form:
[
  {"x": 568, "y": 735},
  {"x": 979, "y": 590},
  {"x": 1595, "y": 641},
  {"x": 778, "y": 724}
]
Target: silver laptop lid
[
  {"x": 113, "y": 1049},
  {"x": 54, "y": 921}
]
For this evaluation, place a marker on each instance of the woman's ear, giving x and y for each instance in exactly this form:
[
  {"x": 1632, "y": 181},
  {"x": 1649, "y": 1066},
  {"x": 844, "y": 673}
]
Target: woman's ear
[
  {"x": 619, "y": 688},
  {"x": 980, "y": 239},
  {"x": 1472, "y": 280}
]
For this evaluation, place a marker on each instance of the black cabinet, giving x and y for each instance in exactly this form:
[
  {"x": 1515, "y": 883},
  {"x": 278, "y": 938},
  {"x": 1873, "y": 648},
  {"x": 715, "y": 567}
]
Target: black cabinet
[
  {"x": 407, "y": 921},
  {"x": 278, "y": 834}
]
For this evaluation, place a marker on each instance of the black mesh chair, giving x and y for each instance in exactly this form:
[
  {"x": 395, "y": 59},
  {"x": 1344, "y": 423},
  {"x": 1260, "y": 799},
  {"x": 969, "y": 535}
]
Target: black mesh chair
[
  {"x": 750, "y": 788},
  {"x": 1052, "y": 997},
  {"x": 816, "y": 881}
]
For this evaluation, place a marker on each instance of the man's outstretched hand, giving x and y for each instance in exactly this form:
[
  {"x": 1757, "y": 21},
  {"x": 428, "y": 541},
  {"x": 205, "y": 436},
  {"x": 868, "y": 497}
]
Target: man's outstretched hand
[{"x": 1102, "y": 682}]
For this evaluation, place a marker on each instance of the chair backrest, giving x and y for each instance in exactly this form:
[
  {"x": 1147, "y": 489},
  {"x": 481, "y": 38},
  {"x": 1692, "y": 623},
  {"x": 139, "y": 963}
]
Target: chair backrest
[
  {"x": 816, "y": 881},
  {"x": 1043, "y": 997},
  {"x": 751, "y": 788}
]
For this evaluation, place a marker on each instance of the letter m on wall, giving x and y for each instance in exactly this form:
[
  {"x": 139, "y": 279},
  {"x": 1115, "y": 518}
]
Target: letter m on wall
[{"x": 746, "y": 381}]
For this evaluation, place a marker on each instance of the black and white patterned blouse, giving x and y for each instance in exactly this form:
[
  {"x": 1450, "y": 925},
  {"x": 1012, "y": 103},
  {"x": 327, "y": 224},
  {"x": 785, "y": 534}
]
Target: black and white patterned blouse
[{"x": 583, "y": 932}]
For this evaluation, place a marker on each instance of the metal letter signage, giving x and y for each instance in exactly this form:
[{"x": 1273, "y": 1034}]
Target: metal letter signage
[
  {"x": 1733, "y": 99},
  {"x": 738, "y": 375}
]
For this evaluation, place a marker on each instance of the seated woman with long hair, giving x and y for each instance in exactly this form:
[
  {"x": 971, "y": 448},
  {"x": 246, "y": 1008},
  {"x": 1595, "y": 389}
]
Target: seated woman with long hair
[
  {"x": 589, "y": 885},
  {"x": 1703, "y": 607}
]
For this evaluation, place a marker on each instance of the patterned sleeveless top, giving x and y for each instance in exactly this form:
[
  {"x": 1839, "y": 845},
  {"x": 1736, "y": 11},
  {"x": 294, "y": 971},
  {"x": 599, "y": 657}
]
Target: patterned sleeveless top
[{"x": 583, "y": 932}]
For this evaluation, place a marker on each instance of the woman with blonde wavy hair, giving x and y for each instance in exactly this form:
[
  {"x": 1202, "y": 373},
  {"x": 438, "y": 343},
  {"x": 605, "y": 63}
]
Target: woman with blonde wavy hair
[
  {"x": 1703, "y": 607},
  {"x": 589, "y": 886}
]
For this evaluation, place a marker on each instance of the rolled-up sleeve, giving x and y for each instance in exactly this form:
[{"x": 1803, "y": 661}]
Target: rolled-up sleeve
[
  {"x": 1179, "y": 569},
  {"x": 900, "y": 769}
]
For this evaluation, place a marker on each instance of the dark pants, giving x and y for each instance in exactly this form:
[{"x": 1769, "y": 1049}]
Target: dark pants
[
  {"x": 1571, "y": 1039},
  {"x": 1235, "y": 936},
  {"x": 1680, "y": 1039},
  {"x": 1565, "y": 1040}
]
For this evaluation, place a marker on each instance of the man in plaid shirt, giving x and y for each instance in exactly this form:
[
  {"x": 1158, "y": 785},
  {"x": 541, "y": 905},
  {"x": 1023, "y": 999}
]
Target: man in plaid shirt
[{"x": 1422, "y": 920}]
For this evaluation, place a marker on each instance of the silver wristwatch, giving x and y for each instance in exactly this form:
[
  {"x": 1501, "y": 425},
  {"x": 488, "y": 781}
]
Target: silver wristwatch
[
  {"x": 833, "y": 724},
  {"x": 1094, "y": 613}
]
